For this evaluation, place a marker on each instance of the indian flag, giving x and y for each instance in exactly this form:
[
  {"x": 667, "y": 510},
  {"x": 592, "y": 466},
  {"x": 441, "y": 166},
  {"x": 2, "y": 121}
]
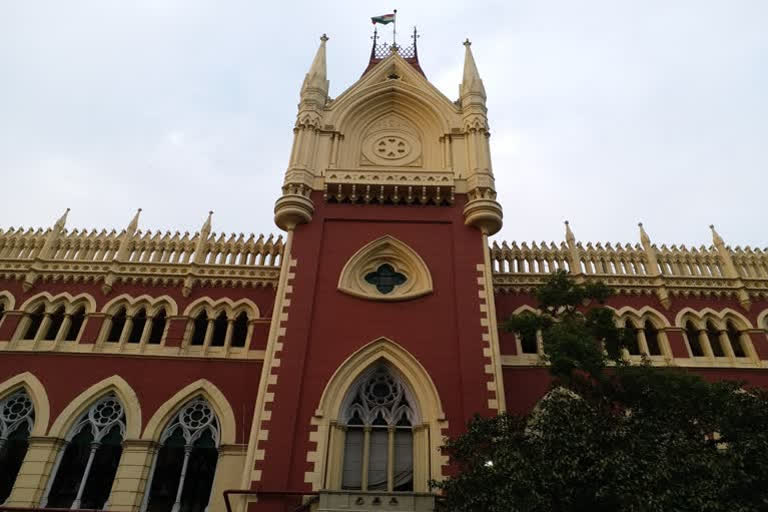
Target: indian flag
[{"x": 383, "y": 19}]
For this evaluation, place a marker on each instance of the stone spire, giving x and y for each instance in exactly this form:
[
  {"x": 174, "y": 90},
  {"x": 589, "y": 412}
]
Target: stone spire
[
  {"x": 206, "y": 228},
  {"x": 59, "y": 225},
  {"x": 134, "y": 224},
  {"x": 716, "y": 238},
  {"x": 316, "y": 82},
  {"x": 202, "y": 242},
  {"x": 644, "y": 238},
  {"x": 471, "y": 83},
  {"x": 569, "y": 237}
]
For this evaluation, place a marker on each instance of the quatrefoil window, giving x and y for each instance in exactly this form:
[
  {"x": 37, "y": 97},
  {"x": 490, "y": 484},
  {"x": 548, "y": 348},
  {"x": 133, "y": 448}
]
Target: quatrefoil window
[
  {"x": 392, "y": 147},
  {"x": 385, "y": 278}
]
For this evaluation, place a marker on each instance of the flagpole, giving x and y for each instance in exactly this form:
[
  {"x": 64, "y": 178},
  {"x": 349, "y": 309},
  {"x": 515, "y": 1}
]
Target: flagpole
[{"x": 394, "y": 30}]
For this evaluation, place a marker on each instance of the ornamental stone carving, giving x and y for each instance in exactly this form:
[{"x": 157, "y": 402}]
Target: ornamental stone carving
[
  {"x": 386, "y": 269},
  {"x": 391, "y": 141}
]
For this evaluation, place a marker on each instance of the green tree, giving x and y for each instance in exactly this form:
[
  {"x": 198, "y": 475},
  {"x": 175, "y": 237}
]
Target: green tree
[{"x": 611, "y": 436}]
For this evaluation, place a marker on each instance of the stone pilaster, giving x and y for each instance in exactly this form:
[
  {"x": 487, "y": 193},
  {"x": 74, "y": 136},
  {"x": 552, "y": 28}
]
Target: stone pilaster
[{"x": 35, "y": 471}]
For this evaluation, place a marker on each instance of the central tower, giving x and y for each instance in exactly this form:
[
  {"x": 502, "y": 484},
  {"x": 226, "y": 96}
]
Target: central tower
[{"x": 385, "y": 301}]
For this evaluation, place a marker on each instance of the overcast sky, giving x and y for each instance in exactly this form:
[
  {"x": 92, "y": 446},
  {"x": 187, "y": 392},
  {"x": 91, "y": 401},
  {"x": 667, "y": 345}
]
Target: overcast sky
[{"x": 605, "y": 113}]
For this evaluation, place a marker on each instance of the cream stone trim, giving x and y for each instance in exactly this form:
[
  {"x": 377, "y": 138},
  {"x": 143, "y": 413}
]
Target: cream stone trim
[
  {"x": 116, "y": 384},
  {"x": 429, "y": 462},
  {"x": 202, "y": 387},
  {"x": 704, "y": 314},
  {"x": 386, "y": 249},
  {"x": 7, "y": 300},
  {"x": 490, "y": 335},
  {"x": 762, "y": 320},
  {"x": 270, "y": 367},
  {"x": 133, "y": 304},
  {"x": 658, "y": 319},
  {"x": 216, "y": 306},
  {"x": 37, "y": 394},
  {"x": 53, "y": 301}
]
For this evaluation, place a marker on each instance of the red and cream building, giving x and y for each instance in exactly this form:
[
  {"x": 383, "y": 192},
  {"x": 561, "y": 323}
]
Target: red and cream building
[{"x": 144, "y": 371}]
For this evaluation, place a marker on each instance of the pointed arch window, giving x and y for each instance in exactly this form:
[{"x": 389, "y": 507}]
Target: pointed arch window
[
  {"x": 199, "y": 327},
  {"x": 35, "y": 319},
  {"x": 117, "y": 326},
  {"x": 17, "y": 417},
  {"x": 633, "y": 343},
  {"x": 76, "y": 323},
  {"x": 736, "y": 340},
  {"x": 57, "y": 318},
  {"x": 378, "y": 417},
  {"x": 219, "y": 330},
  {"x": 240, "y": 330},
  {"x": 86, "y": 469},
  {"x": 158, "y": 327},
  {"x": 692, "y": 335},
  {"x": 182, "y": 475},
  {"x": 713, "y": 335},
  {"x": 137, "y": 327},
  {"x": 652, "y": 338}
]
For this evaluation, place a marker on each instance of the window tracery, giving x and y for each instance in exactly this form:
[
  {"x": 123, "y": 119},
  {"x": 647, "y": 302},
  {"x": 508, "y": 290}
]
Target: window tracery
[
  {"x": 183, "y": 471},
  {"x": 86, "y": 469},
  {"x": 378, "y": 448},
  {"x": 17, "y": 417}
]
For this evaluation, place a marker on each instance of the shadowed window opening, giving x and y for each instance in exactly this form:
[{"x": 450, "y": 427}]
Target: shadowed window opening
[
  {"x": 714, "y": 340},
  {"x": 692, "y": 334},
  {"x": 17, "y": 416},
  {"x": 199, "y": 327},
  {"x": 118, "y": 323},
  {"x": 529, "y": 343},
  {"x": 87, "y": 468},
  {"x": 137, "y": 329},
  {"x": 734, "y": 336},
  {"x": 240, "y": 330},
  {"x": 35, "y": 319},
  {"x": 219, "y": 330},
  {"x": 158, "y": 327},
  {"x": 57, "y": 318},
  {"x": 633, "y": 344},
  {"x": 76, "y": 323},
  {"x": 652, "y": 338},
  {"x": 186, "y": 463}
]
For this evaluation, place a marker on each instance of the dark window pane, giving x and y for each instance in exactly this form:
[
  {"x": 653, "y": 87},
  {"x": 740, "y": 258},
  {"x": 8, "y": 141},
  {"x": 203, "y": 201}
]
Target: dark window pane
[
  {"x": 734, "y": 336},
  {"x": 35, "y": 319},
  {"x": 118, "y": 323},
  {"x": 71, "y": 469},
  {"x": 714, "y": 340},
  {"x": 103, "y": 472},
  {"x": 137, "y": 329},
  {"x": 158, "y": 327},
  {"x": 11, "y": 456},
  {"x": 57, "y": 318},
  {"x": 385, "y": 278},
  {"x": 219, "y": 330},
  {"x": 165, "y": 480},
  {"x": 200, "y": 472},
  {"x": 240, "y": 330},
  {"x": 198, "y": 328},
  {"x": 692, "y": 333},
  {"x": 652, "y": 338},
  {"x": 75, "y": 325}
]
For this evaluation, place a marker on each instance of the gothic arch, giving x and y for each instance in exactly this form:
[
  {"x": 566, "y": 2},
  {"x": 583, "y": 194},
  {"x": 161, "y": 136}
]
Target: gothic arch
[
  {"x": 659, "y": 319},
  {"x": 525, "y": 308},
  {"x": 421, "y": 385},
  {"x": 37, "y": 393},
  {"x": 721, "y": 316},
  {"x": 159, "y": 420},
  {"x": 153, "y": 303},
  {"x": 66, "y": 298},
  {"x": 762, "y": 320},
  {"x": 390, "y": 251},
  {"x": 224, "y": 304},
  {"x": 80, "y": 404},
  {"x": 7, "y": 299}
]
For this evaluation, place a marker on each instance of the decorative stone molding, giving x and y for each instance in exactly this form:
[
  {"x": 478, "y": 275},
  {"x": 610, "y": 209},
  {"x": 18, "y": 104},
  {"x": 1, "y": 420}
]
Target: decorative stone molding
[{"x": 386, "y": 250}]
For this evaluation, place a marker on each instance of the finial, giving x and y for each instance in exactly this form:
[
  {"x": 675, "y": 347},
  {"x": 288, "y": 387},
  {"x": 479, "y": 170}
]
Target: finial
[
  {"x": 644, "y": 238},
  {"x": 134, "y": 224},
  {"x": 59, "y": 225},
  {"x": 716, "y": 238},
  {"x": 471, "y": 82},
  {"x": 324, "y": 38},
  {"x": 569, "y": 237},
  {"x": 467, "y": 42}
]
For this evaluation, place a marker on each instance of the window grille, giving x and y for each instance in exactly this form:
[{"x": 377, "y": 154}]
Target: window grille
[{"x": 17, "y": 417}]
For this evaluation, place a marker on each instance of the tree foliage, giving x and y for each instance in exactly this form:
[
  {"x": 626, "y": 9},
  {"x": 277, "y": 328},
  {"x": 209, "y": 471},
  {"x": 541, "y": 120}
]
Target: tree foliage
[{"x": 610, "y": 435}]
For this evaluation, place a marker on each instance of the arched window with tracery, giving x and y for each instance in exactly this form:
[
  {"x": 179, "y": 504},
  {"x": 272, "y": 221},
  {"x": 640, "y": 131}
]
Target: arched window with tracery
[
  {"x": 17, "y": 416},
  {"x": 378, "y": 415},
  {"x": 86, "y": 469},
  {"x": 182, "y": 475}
]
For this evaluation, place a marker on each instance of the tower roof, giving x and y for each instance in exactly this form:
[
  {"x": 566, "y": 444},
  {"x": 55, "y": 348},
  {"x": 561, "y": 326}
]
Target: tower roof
[{"x": 380, "y": 51}]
